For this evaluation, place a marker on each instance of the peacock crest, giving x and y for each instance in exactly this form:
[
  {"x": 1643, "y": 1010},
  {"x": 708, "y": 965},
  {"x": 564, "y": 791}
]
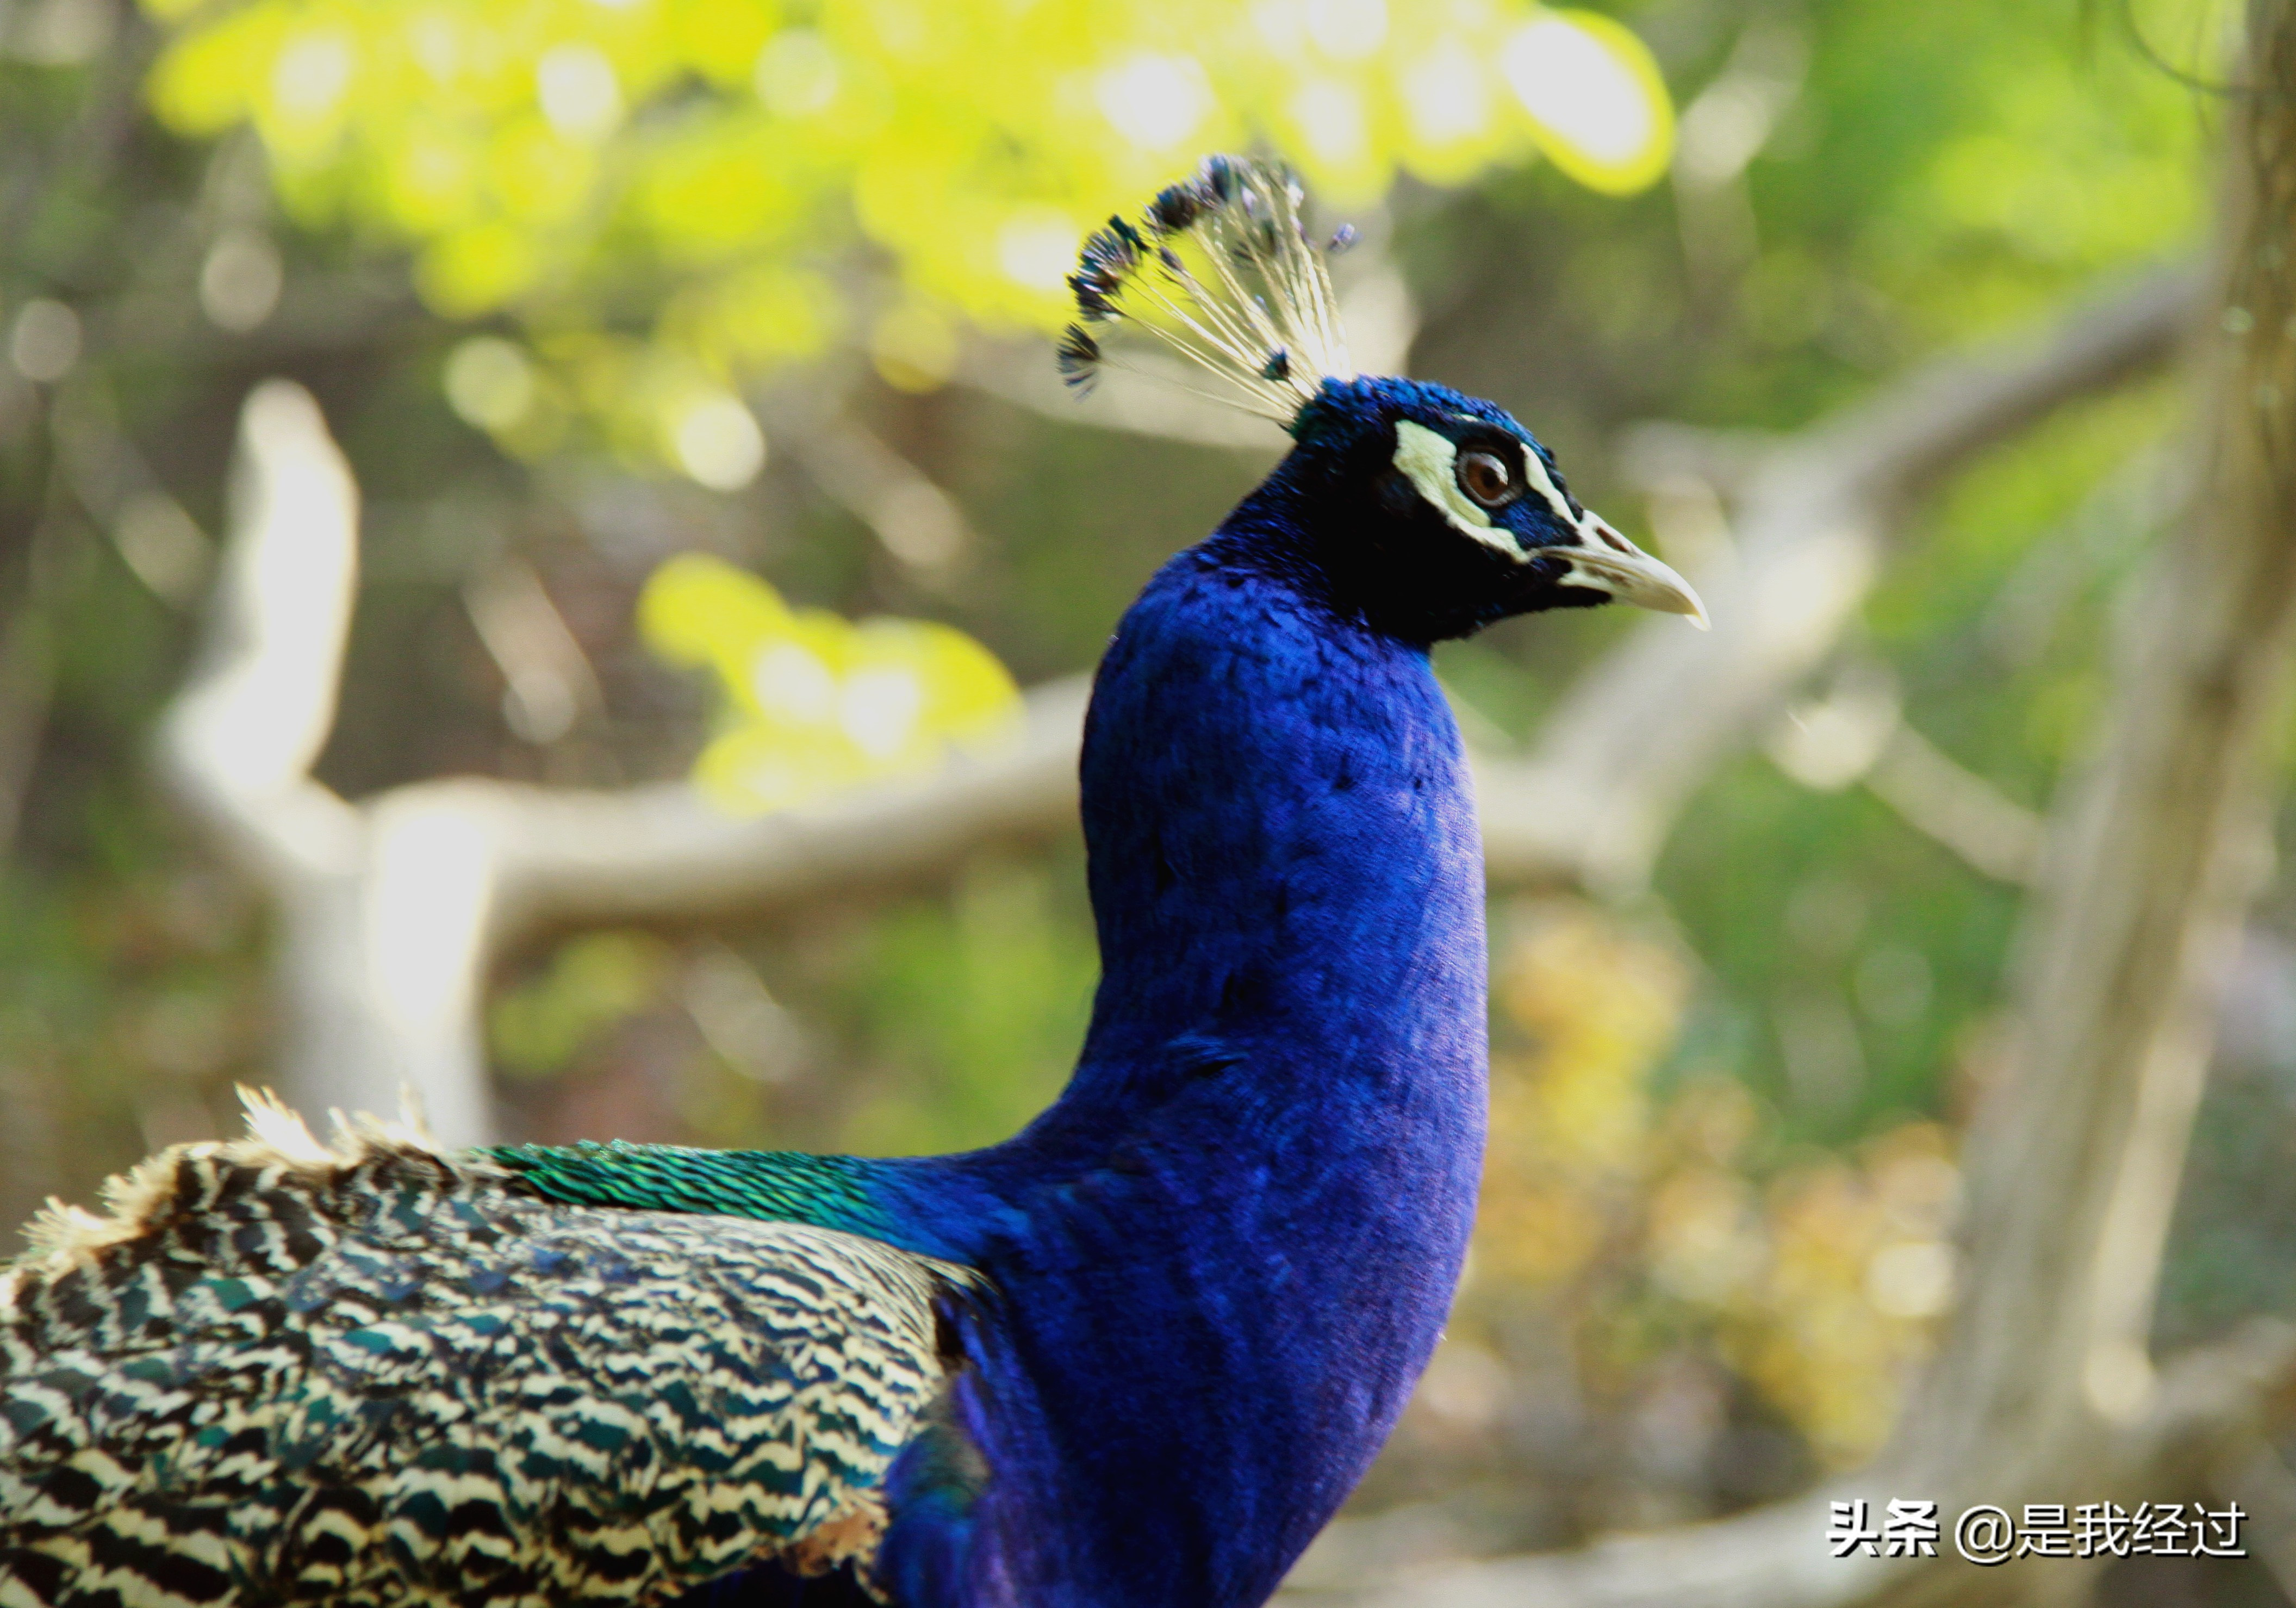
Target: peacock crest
[{"x": 1220, "y": 268}]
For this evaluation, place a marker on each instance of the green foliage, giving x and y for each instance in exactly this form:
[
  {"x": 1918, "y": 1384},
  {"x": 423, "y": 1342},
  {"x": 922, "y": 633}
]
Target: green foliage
[
  {"x": 589, "y": 985},
  {"x": 974, "y": 1007},
  {"x": 667, "y": 193},
  {"x": 1871, "y": 958}
]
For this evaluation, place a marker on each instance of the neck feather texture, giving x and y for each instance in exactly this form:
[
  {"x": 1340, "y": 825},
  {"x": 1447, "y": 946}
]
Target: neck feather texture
[
  {"x": 1222, "y": 1259},
  {"x": 1229, "y": 1249}
]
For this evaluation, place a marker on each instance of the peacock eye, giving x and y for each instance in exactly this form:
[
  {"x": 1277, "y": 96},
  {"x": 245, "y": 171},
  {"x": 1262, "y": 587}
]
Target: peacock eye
[{"x": 1485, "y": 477}]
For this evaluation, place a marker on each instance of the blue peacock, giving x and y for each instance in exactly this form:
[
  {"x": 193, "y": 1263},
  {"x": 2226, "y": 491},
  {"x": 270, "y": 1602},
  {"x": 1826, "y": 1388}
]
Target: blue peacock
[{"x": 1132, "y": 1358}]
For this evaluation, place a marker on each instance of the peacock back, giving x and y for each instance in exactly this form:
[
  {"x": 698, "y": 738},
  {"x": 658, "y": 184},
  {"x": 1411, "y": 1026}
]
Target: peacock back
[{"x": 376, "y": 1374}]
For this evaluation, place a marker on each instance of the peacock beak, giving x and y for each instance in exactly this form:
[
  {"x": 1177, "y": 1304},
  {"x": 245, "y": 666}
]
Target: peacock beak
[{"x": 1603, "y": 560}]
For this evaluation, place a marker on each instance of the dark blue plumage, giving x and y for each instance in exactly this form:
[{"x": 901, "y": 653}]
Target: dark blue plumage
[
  {"x": 1222, "y": 1259},
  {"x": 1173, "y": 1320},
  {"x": 1226, "y": 1252}
]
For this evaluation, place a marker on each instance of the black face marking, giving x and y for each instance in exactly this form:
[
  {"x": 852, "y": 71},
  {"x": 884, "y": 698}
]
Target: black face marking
[{"x": 1563, "y": 489}]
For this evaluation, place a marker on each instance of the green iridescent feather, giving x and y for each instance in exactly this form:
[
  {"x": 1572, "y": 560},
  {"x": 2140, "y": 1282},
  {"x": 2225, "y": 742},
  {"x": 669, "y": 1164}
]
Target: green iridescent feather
[{"x": 778, "y": 1186}]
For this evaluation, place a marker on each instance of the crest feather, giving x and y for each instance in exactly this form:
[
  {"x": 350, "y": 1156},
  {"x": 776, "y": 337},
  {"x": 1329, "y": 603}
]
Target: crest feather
[{"x": 1220, "y": 267}]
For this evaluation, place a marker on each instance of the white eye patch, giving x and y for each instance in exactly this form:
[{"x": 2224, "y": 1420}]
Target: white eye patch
[
  {"x": 1544, "y": 484},
  {"x": 1430, "y": 459}
]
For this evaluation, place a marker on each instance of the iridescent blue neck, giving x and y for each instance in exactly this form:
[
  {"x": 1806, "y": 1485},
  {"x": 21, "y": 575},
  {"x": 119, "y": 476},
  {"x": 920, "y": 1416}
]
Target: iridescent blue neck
[
  {"x": 1228, "y": 1251},
  {"x": 1282, "y": 846}
]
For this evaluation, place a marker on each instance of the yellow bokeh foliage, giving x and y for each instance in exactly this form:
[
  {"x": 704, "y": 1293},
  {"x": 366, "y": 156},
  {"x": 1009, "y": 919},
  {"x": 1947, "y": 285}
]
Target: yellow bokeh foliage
[
  {"x": 696, "y": 175},
  {"x": 810, "y": 702},
  {"x": 1632, "y": 1214}
]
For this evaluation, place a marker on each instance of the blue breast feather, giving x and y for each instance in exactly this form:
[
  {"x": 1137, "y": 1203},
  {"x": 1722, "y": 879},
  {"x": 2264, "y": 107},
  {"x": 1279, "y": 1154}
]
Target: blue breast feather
[
  {"x": 1222, "y": 1259},
  {"x": 1226, "y": 1252}
]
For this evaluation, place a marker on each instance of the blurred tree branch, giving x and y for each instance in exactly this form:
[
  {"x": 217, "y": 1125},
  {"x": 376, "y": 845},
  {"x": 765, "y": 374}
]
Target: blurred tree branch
[
  {"x": 28, "y": 667},
  {"x": 1153, "y": 399},
  {"x": 1858, "y": 732},
  {"x": 919, "y": 525},
  {"x": 1596, "y": 799},
  {"x": 396, "y": 906},
  {"x": 2044, "y": 1388}
]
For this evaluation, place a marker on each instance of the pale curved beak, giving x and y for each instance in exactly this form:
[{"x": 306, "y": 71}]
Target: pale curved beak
[{"x": 1606, "y": 562}]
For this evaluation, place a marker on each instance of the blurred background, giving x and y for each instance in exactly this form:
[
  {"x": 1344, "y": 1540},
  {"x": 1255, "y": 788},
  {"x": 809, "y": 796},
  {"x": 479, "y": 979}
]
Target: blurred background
[{"x": 690, "y": 360}]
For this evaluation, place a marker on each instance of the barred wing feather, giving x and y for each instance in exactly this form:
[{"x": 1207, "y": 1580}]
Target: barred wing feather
[{"x": 377, "y": 1375}]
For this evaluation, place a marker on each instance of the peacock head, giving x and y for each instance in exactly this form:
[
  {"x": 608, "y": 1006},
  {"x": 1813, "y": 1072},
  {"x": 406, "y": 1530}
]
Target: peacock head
[{"x": 1430, "y": 512}]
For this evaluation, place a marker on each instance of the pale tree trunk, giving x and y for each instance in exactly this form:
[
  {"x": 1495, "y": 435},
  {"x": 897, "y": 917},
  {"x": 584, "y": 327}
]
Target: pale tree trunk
[{"x": 2044, "y": 1388}]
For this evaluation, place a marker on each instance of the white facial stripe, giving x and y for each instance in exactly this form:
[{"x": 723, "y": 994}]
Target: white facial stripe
[
  {"x": 1543, "y": 484},
  {"x": 1427, "y": 457},
  {"x": 1601, "y": 560}
]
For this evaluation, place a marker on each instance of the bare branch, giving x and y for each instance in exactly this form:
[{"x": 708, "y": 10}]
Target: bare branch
[
  {"x": 394, "y": 907},
  {"x": 28, "y": 667},
  {"x": 2073, "y": 1160},
  {"x": 548, "y": 680},
  {"x": 1597, "y": 798},
  {"x": 1858, "y": 732},
  {"x": 662, "y": 851},
  {"x": 1955, "y": 807},
  {"x": 26, "y": 683},
  {"x": 383, "y": 908},
  {"x": 912, "y": 519},
  {"x": 238, "y": 744}
]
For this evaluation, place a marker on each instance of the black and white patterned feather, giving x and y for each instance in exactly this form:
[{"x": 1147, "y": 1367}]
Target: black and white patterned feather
[{"x": 279, "y": 1372}]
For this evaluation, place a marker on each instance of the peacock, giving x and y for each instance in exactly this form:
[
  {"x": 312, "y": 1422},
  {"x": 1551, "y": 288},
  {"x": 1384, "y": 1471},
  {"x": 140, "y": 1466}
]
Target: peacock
[{"x": 1132, "y": 1358}]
